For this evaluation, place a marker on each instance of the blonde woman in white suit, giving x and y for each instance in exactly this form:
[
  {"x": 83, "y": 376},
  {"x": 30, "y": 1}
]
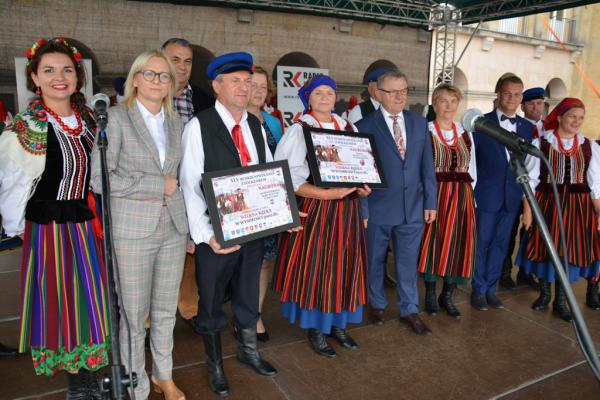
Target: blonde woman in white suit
[{"x": 148, "y": 215}]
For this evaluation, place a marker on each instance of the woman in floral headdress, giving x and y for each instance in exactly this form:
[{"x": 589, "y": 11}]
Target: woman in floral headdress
[
  {"x": 44, "y": 188},
  {"x": 575, "y": 162},
  {"x": 321, "y": 270}
]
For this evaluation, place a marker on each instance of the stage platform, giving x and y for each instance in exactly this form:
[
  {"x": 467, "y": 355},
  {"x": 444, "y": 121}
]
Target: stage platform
[{"x": 515, "y": 353}]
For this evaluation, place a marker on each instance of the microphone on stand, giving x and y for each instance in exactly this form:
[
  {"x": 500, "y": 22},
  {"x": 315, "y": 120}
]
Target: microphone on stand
[
  {"x": 474, "y": 121},
  {"x": 100, "y": 103}
]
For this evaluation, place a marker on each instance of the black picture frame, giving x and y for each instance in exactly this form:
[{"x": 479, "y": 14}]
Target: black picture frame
[
  {"x": 313, "y": 163},
  {"x": 224, "y": 238}
]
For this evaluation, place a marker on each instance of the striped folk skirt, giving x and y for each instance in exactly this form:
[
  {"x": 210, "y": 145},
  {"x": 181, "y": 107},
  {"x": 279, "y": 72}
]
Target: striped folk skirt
[
  {"x": 64, "y": 315},
  {"x": 449, "y": 244},
  {"x": 581, "y": 230},
  {"x": 324, "y": 266}
]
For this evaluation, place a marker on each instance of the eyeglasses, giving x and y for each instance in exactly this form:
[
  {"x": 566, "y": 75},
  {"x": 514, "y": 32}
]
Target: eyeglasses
[
  {"x": 401, "y": 92},
  {"x": 149, "y": 75}
]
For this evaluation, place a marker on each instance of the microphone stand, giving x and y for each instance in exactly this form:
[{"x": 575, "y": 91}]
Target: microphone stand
[
  {"x": 581, "y": 330},
  {"x": 115, "y": 385}
]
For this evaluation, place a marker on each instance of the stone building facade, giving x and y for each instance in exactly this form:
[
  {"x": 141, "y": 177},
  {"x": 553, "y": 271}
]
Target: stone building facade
[
  {"x": 524, "y": 46},
  {"x": 114, "y": 32}
]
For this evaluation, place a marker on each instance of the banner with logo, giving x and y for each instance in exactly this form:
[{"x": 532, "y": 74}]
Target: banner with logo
[{"x": 289, "y": 80}]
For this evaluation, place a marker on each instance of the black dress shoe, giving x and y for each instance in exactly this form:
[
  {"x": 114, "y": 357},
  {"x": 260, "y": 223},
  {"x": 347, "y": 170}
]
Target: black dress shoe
[
  {"x": 493, "y": 300},
  {"x": 248, "y": 353},
  {"x": 319, "y": 344},
  {"x": 416, "y": 323},
  {"x": 263, "y": 336},
  {"x": 479, "y": 301},
  {"x": 341, "y": 336},
  {"x": 377, "y": 316},
  {"x": 7, "y": 351}
]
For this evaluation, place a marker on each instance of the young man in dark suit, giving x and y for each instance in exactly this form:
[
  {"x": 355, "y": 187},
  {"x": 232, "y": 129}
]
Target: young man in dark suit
[{"x": 498, "y": 196}]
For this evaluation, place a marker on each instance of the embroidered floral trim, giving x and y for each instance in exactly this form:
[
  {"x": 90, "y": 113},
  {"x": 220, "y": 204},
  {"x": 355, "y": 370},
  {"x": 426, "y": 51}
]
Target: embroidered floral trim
[
  {"x": 88, "y": 356},
  {"x": 31, "y": 128}
]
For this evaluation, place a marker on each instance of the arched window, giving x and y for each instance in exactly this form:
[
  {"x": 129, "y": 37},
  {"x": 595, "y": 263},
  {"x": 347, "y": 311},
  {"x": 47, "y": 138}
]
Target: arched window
[
  {"x": 201, "y": 58},
  {"x": 556, "y": 89},
  {"x": 378, "y": 64}
]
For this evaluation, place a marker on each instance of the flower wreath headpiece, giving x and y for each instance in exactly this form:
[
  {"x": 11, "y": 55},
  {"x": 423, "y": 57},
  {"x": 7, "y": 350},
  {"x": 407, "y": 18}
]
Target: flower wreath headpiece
[{"x": 30, "y": 53}]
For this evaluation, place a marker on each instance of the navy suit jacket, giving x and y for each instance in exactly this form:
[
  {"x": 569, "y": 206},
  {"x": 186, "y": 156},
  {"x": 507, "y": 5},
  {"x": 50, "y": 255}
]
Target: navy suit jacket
[
  {"x": 411, "y": 182},
  {"x": 496, "y": 187}
]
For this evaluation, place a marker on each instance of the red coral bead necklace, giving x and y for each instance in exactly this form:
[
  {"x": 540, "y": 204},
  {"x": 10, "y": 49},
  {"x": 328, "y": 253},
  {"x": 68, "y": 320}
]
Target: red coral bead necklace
[{"x": 71, "y": 131}]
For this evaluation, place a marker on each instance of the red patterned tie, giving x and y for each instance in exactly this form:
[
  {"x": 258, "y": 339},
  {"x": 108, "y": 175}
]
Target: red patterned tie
[
  {"x": 398, "y": 136},
  {"x": 238, "y": 140}
]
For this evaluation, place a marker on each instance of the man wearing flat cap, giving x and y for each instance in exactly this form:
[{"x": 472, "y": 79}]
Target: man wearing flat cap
[
  {"x": 533, "y": 106},
  {"x": 222, "y": 137},
  {"x": 371, "y": 104}
]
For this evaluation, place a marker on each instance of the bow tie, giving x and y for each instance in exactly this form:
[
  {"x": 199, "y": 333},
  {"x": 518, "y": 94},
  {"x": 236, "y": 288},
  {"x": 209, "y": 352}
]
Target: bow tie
[{"x": 512, "y": 120}]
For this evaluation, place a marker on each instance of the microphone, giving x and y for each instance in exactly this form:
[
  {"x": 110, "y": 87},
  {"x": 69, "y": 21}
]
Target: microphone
[
  {"x": 100, "y": 103},
  {"x": 474, "y": 121}
]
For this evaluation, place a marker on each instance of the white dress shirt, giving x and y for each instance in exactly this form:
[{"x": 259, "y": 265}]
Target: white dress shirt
[
  {"x": 449, "y": 137},
  {"x": 593, "y": 172},
  {"x": 390, "y": 123},
  {"x": 355, "y": 114},
  {"x": 538, "y": 124},
  {"x": 192, "y": 168},
  {"x": 292, "y": 147},
  {"x": 506, "y": 124},
  {"x": 156, "y": 126}
]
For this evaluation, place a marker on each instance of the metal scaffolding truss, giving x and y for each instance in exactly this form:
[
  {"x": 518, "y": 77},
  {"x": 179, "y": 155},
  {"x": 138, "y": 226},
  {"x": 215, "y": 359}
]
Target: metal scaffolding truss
[
  {"x": 408, "y": 12},
  {"x": 443, "y": 16},
  {"x": 443, "y": 68},
  {"x": 411, "y": 12}
]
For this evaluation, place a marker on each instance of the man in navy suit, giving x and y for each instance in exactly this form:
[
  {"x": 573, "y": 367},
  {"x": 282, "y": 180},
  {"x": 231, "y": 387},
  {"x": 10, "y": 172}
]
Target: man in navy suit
[
  {"x": 497, "y": 194},
  {"x": 399, "y": 212}
]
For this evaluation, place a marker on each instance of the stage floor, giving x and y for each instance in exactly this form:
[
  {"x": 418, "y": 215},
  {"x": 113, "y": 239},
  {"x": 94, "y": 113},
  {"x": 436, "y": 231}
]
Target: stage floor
[{"x": 515, "y": 353}]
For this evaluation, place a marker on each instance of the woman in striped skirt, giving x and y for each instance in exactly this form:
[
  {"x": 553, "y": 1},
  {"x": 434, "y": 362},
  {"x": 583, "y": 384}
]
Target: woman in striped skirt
[
  {"x": 321, "y": 270},
  {"x": 575, "y": 161},
  {"x": 45, "y": 199},
  {"x": 448, "y": 244}
]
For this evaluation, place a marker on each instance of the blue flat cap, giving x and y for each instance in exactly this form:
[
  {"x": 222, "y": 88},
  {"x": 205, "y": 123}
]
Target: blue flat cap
[
  {"x": 373, "y": 75},
  {"x": 533, "y": 93},
  {"x": 230, "y": 62}
]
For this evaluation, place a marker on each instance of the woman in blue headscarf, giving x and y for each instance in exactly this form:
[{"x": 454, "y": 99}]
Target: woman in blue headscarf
[{"x": 321, "y": 270}]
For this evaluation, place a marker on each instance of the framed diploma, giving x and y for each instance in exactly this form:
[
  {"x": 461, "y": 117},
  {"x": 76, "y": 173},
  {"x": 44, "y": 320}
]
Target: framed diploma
[
  {"x": 249, "y": 203},
  {"x": 343, "y": 159}
]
